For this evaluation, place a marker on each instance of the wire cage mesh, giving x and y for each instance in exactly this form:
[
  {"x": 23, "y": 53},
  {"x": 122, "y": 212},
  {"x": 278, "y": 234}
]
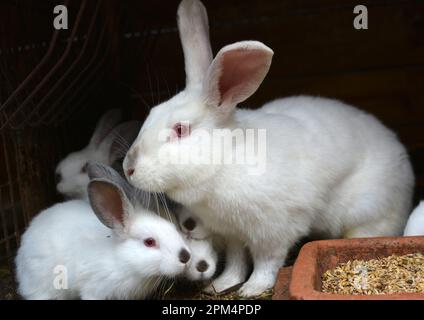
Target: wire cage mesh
[
  {"x": 48, "y": 80},
  {"x": 55, "y": 84}
]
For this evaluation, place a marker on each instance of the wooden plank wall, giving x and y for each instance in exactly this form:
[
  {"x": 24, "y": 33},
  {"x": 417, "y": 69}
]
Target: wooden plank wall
[{"x": 317, "y": 52}]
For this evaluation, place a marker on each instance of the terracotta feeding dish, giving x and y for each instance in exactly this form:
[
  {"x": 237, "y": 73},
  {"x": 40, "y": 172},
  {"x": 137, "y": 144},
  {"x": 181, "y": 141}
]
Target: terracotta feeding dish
[{"x": 319, "y": 256}]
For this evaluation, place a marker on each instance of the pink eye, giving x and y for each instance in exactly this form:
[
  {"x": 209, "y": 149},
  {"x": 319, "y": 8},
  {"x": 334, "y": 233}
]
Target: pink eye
[
  {"x": 150, "y": 242},
  {"x": 182, "y": 129}
]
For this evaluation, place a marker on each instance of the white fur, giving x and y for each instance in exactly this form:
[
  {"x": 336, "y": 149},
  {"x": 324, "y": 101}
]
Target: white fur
[
  {"x": 415, "y": 225},
  {"x": 330, "y": 169},
  {"x": 202, "y": 243},
  {"x": 199, "y": 232},
  {"x": 201, "y": 250},
  {"x": 202, "y": 246},
  {"x": 101, "y": 263},
  {"x": 194, "y": 33}
]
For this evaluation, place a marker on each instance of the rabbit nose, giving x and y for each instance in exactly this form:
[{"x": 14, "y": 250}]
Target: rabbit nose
[
  {"x": 130, "y": 172},
  {"x": 129, "y": 161},
  {"x": 184, "y": 256},
  {"x": 57, "y": 177},
  {"x": 189, "y": 224},
  {"x": 202, "y": 266}
]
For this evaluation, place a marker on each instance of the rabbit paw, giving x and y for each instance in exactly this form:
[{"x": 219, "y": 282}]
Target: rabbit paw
[{"x": 255, "y": 287}]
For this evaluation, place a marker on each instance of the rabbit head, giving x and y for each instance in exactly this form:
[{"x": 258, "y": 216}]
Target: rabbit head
[
  {"x": 108, "y": 143},
  {"x": 203, "y": 262},
  {"x": 163, "y": 156},
  {"x": 149, "y": 244},
  {"x": 191, "y": 225}
]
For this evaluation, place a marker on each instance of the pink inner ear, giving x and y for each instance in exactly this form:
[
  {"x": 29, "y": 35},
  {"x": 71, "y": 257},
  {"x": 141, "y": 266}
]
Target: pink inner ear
[
  {"x": 108, "y": 202},
  {"x": 241, "y": 70}
]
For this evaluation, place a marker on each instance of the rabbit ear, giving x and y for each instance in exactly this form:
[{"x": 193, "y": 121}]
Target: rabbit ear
[
  {"x": 99, "y": 171},
  {"x": 106, "y": 123},
  {"x": 236, "y": 73},
  {"x": 110, "y": 196},
  {"x": 110, "y": 204},
  {"x": 136, "y": 197},
  {"x": 120, "y": 139},
  {"x": 194, "y": 33}
]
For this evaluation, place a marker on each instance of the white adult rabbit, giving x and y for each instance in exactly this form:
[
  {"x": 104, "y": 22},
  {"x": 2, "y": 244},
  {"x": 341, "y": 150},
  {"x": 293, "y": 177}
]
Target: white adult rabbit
[
  {"x": 329, "y": 167},
  {"x": 108, "y": 143},
  {"x": 415, "y": 225},
  {"x": 67, "y": 253}
]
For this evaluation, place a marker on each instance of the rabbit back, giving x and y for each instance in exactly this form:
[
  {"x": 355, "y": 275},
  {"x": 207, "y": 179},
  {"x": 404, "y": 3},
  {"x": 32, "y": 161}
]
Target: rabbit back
[
  {"x": 59, "y": 236},
  {"x": 330, "y": 168}
]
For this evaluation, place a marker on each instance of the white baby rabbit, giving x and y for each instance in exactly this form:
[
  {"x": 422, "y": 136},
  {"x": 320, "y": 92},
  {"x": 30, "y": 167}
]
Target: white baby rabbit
[
  {"x": 191, "y": 225},
  {"x": 415, "y": 225},
  {"x": 108, "y": 143},
  {"x": 325, "y": 166},
  {"x": 204, "y": 257},
  {"x": 67, "y": 253}
]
